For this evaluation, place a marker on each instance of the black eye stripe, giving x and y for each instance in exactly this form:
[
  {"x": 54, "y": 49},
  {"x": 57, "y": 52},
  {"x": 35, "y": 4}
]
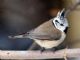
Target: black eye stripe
[
  {"x": 56, "y": 21},
  {"x": 61, "y": 24}
]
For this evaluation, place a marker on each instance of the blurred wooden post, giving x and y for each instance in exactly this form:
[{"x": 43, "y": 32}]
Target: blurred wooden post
[{"x": 73, "y": 36}]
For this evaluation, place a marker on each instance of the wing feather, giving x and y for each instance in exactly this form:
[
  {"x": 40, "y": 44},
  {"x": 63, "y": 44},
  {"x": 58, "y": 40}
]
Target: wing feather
[{"x": 45, "y": 31}]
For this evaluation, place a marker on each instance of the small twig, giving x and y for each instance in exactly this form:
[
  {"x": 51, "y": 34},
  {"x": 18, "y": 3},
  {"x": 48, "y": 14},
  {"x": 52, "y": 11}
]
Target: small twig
[{"x": 38, "y": 55}]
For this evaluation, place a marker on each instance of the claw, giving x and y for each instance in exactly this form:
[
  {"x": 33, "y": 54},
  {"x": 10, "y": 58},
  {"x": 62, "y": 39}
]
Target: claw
[{"x": 42, "y": 49}]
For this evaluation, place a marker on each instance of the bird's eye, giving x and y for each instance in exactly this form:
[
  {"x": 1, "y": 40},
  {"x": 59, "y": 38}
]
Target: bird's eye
[
  {"x": 59, "y": 23},
  {"x": 56, "y": 21}
]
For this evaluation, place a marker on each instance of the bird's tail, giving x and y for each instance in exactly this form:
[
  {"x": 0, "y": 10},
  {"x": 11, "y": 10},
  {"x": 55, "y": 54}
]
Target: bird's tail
[
  {"x": 19, "y": 36},
  {"x": 33, "y": 36}
]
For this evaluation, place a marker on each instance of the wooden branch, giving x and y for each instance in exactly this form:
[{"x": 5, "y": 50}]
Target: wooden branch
[{"x": 38, "y": 55}]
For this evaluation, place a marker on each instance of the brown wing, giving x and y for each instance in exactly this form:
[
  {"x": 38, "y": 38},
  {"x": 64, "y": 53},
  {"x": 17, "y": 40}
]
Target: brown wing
[
  {"x": 45, "y": 31},
  {"x": 43, "y": 36}
]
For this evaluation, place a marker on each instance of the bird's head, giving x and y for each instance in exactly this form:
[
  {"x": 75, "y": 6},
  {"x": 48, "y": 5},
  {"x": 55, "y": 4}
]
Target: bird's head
[{"x": 60, "y": 22}]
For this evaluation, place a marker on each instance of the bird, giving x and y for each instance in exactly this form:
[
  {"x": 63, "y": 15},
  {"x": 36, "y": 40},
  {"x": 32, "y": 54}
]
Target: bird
[{"x": 49, "y": 34}]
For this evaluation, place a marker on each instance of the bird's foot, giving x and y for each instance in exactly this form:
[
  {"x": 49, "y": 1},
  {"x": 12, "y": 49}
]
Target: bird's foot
[
  {"x": 42, "y": 49},
  {"x": 53, "y": 49}
]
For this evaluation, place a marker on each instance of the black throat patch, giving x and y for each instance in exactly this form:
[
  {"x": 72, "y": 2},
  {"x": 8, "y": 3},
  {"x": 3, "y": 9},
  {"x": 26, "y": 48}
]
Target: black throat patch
[{"x": 66, "y": 29}]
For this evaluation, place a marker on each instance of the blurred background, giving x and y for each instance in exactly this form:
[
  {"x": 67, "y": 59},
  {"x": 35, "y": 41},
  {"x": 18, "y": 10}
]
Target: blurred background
[{"x": 20, "y": 16}]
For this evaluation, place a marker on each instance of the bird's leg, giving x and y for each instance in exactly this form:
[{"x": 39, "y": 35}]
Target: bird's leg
[{"x": 42, "y": 49}]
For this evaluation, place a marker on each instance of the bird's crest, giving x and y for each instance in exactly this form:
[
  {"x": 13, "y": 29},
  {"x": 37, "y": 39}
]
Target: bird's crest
[{"x": 61, "y": 13}]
